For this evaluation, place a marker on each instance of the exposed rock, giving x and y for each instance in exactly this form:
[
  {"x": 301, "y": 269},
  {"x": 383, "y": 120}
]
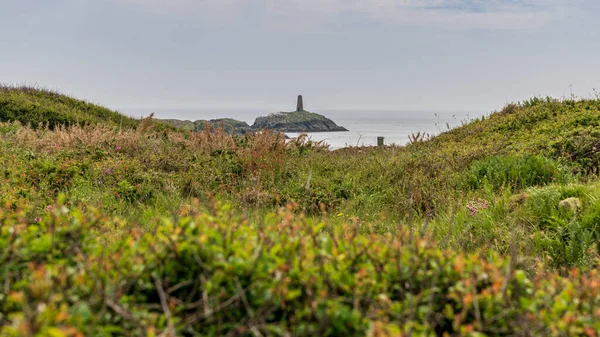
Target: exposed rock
[
  {"x": 298, "y": 121},
  {"x": 572, "y": 205}
]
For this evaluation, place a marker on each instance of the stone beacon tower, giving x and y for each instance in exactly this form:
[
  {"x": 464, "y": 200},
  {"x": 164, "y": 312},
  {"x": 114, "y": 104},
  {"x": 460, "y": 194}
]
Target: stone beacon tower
[{"x": 300, "y": 105}]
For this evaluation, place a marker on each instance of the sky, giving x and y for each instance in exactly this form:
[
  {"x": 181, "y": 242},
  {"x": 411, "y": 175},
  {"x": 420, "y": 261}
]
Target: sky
[{"x": 339, "y": 54}]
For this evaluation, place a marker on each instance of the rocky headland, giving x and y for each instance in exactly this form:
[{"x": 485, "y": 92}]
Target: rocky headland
[{"x": 295, "y": 121}]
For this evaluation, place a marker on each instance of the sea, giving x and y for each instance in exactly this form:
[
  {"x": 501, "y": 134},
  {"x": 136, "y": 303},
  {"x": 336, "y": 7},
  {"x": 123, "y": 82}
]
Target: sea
[{"x": 364, "y": 125}]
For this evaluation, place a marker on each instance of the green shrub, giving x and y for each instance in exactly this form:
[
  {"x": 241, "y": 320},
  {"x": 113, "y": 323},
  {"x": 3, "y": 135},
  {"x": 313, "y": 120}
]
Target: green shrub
[
  {"x": 581, "y": 147},
  {"x": 515, "y": 172},
  {"x": 213, "y": 275}
]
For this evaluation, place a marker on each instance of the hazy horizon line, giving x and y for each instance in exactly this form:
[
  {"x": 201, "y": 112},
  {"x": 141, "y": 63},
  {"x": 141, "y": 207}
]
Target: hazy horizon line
[{"x": 311, "y": 110}]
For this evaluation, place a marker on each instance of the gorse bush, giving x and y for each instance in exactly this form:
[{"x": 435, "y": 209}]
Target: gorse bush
[
  {"x": 515, "y": 172},
  {"x": 210, "y": 274}
]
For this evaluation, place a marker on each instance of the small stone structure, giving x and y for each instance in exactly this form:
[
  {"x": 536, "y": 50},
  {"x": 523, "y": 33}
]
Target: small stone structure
[{"x": 300, "y": 105}]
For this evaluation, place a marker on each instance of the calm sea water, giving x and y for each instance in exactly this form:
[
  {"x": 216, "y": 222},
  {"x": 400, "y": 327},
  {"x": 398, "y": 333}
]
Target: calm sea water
[{"x": 364, "y": 125}]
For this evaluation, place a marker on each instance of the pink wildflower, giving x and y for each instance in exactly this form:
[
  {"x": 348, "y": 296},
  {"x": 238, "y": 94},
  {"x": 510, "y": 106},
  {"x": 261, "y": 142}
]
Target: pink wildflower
[{"x": 476, "y": 205}]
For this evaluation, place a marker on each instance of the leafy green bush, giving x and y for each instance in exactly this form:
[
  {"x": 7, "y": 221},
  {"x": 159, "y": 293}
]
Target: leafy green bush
[
  {"x": 212, "y": 275},
  {"x": 582, "y": 147},
  {"x": 515, "y": 172}
]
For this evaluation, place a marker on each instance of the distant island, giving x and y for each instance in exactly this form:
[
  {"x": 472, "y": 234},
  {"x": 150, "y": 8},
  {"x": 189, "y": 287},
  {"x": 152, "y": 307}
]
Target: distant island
[{"x": 295, "y": 121}]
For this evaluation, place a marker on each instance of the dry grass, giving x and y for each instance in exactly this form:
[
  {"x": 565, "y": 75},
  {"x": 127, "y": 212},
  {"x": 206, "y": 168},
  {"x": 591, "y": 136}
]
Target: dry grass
[{"x": 145, "y": 136}]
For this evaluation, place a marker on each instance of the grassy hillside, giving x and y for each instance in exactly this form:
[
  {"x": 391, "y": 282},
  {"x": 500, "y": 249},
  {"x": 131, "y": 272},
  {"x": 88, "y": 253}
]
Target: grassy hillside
[
  {"x": 143, "y": 231},
  {"x": 33, "y": 107},
  {"x": 563, "y": 130}
]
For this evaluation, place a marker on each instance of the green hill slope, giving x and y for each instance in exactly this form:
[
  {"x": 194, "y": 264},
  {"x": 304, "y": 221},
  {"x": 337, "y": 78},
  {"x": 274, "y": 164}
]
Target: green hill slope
[
  {"x": 565, "y": 130},
  {"x": 35, "y": 106}
]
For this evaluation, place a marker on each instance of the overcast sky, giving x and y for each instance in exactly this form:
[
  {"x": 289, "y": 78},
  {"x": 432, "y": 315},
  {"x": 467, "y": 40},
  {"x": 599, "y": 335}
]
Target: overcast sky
[{"x": 379, "y": 54}]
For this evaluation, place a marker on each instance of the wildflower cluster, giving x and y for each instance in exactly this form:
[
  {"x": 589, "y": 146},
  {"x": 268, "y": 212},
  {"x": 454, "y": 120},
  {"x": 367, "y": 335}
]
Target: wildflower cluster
[{"x": 476, "y": 205}]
